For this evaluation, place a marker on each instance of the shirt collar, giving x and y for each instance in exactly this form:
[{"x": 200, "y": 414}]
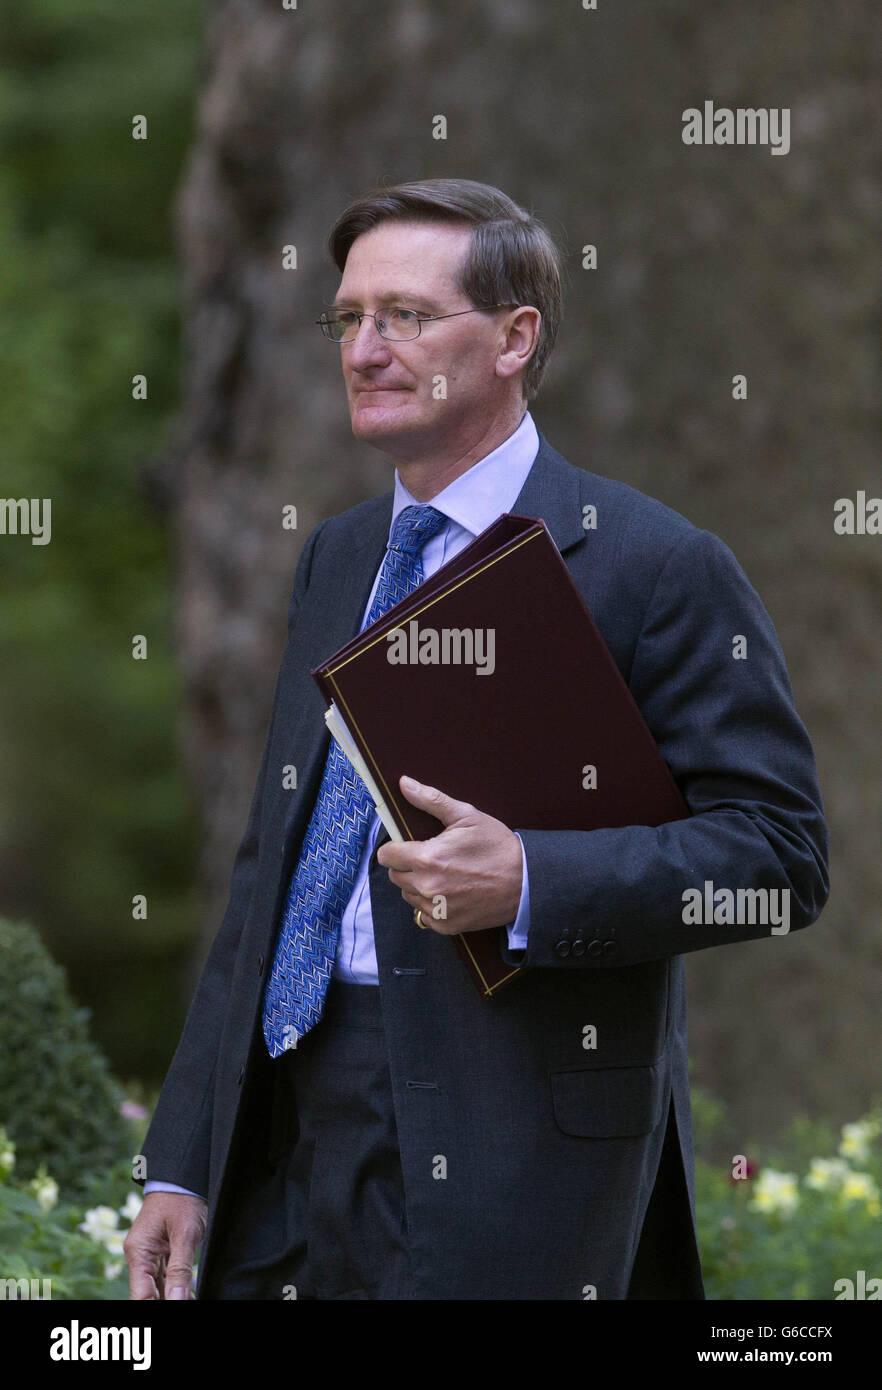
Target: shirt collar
[{"x": 490, "y": 487}]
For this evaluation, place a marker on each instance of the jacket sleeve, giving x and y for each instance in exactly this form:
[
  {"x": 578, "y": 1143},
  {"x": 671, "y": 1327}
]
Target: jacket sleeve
[
  {"x": 723, "y": 716},
  {"x": 177, "y": 1145}
]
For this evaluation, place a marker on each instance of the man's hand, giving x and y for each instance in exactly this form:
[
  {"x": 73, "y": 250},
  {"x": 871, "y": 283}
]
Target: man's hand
[
  {"x": 466, "y": 878},
  {"x": 161, "y": 1244}
]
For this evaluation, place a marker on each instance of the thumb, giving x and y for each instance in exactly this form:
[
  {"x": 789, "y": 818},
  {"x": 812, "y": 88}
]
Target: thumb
[
  {"x": 444, "y": 808},
  {"x": 178, "y": 1279}
]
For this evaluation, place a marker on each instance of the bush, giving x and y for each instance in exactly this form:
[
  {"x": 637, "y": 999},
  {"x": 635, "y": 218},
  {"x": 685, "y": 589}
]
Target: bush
[
  {"x": 799, "y": 1223},
  {"x": 62, "y": 1250},
  {"x": 51, "y": 1249},
  {"x": 58, "y": 1101}
]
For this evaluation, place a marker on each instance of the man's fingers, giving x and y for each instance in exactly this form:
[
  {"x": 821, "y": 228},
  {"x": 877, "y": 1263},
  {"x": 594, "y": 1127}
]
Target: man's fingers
[
  {"x": 142, "y": 1282},
  {"x": 438, "y": 804},
  {"x": 178, "y": 1279},
  {"x": 142, "y": 1247},
  {"x": 161, "y": 1244},
  {"x": 184, "y": 1235}
]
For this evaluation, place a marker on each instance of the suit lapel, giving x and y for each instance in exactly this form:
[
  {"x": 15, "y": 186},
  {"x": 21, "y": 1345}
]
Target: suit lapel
[
  {"x": 337, "y": 615},
  {"x": 552, "y": 492},
  {"x": 325, "y": 624}
]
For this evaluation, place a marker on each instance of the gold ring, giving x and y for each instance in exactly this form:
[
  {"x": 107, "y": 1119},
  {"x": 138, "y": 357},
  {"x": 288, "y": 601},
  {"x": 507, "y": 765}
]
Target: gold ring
[{"x": 417, "y": 917}]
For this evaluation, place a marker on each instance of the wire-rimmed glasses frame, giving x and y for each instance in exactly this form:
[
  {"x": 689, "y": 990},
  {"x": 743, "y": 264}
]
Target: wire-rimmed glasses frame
[{"x": 328, "y": 321}]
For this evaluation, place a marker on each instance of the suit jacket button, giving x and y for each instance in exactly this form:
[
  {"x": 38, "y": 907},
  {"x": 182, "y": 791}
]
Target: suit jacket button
[
  {"x": 562, "y": 948},
  {"x": 595, "y": 948},
  {"x": 610, "y": 948},
  {"x": 241, "y": 1077},
  {"x": 260, "y": 965},
  {"x": 578, "y": 947}
]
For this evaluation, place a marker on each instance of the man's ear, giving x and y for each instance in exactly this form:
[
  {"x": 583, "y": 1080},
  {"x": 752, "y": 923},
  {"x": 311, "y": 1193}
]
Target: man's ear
[{"x": 520, "y": 341}]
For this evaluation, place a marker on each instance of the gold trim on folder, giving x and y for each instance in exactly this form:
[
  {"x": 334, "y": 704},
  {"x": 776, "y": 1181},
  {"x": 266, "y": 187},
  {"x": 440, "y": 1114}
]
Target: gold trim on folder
[{"x": 488, "y": 989}]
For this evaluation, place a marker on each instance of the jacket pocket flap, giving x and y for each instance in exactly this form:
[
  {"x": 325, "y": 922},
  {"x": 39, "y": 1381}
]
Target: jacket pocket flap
[{"x": 607, "y": 1102}]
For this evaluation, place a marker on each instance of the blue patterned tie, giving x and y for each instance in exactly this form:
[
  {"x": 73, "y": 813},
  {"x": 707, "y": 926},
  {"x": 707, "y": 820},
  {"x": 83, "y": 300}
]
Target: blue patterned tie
[{"x": 334, "y": 842}]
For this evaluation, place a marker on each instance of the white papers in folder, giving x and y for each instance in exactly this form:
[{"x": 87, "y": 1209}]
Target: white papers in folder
[{"x": 337, "y": 725}]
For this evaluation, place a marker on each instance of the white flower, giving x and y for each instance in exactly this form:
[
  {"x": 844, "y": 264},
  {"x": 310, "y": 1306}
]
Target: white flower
[
  {"x": 131, "y": 1206},
  {"x": 775, "y": 1191},
  {"x": 45, "y": 1189},
  {"x": 113, "y": 1243},
  {"x": 859, "y": 1187},
  {"x": 856, "y": 1139},
  {"x": 112, "y": 1270},
  {"x": 7, "y": 1154},
  {"x": 100, "y": 1223},
  {"x": 825, "y": 1174}
]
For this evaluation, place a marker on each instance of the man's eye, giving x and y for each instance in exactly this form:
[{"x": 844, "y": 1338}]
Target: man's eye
[
  {"x": 346, "y": 316},
  {"x": 404, "y": 315}
]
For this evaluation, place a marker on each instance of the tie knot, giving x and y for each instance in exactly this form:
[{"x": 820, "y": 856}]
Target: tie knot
[{"x": 414, "y": 526}]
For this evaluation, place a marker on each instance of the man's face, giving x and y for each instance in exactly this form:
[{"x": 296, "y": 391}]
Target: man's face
[{"x": 395, "y": 402}]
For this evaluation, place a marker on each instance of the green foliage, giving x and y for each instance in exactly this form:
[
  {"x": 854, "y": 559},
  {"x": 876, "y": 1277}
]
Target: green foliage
[
  {"x": 807, "y": 1215},
  {"x": 61, "y": 1106},
  {"x": 76, "y": 1245},
  {"x": 37, "y": 1245},
  {"x": 708, "y": 1116},
  {"x": 43, "y": 1239},
  {"x": 94, "y": 806},
  {"x": 72, "y": 1240}
]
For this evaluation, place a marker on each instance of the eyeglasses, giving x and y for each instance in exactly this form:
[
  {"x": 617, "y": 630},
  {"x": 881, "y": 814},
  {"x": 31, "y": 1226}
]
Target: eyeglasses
[{"x": 398, "y": 325}]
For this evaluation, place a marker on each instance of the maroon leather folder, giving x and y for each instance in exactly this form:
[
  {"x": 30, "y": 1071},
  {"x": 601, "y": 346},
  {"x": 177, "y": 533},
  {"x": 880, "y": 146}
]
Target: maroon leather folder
[{"x": 534, "y": 725}]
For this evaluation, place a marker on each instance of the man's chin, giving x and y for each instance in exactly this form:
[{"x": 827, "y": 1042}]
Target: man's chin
[{"x": 385, "y": 418}]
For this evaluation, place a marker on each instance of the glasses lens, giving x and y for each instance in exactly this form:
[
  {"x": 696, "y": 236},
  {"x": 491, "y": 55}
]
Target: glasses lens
[
  {"x": 398, "y": 324},
  {"x": 336, "y": 330}
]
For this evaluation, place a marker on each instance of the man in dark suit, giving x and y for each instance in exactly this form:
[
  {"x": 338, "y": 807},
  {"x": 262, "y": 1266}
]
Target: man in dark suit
[{"x": 345, "y": 1117}]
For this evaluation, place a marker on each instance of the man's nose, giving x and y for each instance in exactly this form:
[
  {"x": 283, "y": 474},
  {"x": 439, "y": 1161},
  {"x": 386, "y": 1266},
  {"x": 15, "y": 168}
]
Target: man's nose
[{"x": 368, "y": 348}]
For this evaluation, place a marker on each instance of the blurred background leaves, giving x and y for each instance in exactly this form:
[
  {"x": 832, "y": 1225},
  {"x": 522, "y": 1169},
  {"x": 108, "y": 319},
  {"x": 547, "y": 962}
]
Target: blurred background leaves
[{"x": 94, "y": 807}]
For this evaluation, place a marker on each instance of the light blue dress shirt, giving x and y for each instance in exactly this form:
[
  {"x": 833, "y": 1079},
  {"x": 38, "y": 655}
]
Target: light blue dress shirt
[{"x": 472, "y": 502}]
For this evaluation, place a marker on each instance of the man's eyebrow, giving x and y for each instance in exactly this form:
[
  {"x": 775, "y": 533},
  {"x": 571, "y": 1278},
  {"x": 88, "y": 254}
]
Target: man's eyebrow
[{"x": 399, "y": 297}]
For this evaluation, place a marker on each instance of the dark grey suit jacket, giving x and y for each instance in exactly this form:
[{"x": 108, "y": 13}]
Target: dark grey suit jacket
[{"x": 553, "y": 1152}]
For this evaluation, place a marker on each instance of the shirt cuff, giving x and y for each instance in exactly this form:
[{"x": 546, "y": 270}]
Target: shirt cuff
[
  {"x": 156, "y": 1186},
  {"x": 517, "y": 932}
]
